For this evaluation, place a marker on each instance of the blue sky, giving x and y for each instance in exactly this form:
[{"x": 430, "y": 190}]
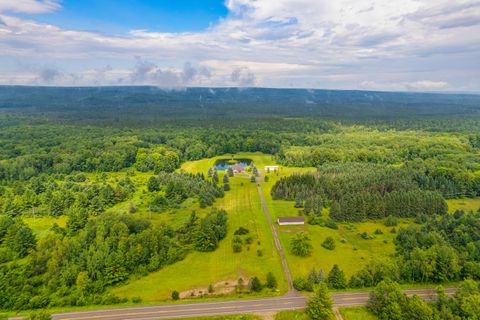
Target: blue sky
[
  {"x": 395, "y": 45},
  {"x": 119, "y": 17}
]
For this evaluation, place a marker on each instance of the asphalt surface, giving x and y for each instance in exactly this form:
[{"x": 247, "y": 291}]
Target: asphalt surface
[{"x": 290, "y": 301}]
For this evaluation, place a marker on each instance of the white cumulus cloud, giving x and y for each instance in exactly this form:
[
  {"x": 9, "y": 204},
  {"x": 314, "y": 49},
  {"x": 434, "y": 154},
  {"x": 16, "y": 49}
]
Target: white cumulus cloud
[{"x": 375, "y": 44}]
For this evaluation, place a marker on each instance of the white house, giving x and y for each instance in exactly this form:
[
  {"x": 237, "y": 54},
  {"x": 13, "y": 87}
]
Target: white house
[
  {"x": 270, "y": 168},
  {"x": 288, "y": 221}
]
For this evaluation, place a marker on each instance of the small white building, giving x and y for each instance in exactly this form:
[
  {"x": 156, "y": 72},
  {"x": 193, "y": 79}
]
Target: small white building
[
  {"x": 270, "y": 168},
  {"x": 288, "y": 221}
]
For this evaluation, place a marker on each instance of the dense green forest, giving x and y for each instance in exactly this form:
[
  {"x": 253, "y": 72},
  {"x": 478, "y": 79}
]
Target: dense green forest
[{"x": 76, "y": 153}]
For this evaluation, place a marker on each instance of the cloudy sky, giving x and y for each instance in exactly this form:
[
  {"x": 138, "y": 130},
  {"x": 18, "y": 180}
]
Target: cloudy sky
[{"x": 408, "y": 45}]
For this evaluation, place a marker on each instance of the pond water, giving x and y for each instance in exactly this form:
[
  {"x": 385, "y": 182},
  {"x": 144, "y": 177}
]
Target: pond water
[{"x": 224, "y": 164}]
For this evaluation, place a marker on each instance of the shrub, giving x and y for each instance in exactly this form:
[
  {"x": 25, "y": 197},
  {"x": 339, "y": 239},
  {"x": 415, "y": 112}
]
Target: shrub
[
  {"x": 40, "y": 315},
  {"x": 259, "y": 253},
  {"x": 271, "y": 281},
  {"x": 175, "y": 295},
  {"x": 241, "y": 231},
  {"x": 136, "y": 299},
  {"x": 365, "y": 235},
  {"x": 255, "y": 285},
  {"x": 299, "y": 284},
  {"x": 236, "y": 247},
  {"x": 391, "y": 221},
  {"x": 300, "y": 245},
  {"x": 329, "y": 243},
  {"x": 378, "y": 231},
  {"x": 331, "y": 224}
]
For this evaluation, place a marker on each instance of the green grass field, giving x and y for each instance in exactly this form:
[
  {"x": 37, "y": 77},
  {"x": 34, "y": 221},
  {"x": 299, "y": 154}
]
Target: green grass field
[
  {"x": 351, "y": 256},
  {"x": 351, "y": 252},
  {"x": 357, "y": 313},
  {"x": 41, "y": 225},
  {"x": 198, "y": 270},
  {"x": 348, "y": 313},
  {"x": 291, "y": 315},
  {"x": 226, "y": 317},
  {"x": 466, "y": 204}
]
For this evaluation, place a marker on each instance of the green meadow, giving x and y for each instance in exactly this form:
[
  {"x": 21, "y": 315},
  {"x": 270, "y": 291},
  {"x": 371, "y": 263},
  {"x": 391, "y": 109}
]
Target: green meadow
[
  {"x": 199, "y": 269},
  {"x": 465, "y": 204},
  {"x": 357, "y": 313}
]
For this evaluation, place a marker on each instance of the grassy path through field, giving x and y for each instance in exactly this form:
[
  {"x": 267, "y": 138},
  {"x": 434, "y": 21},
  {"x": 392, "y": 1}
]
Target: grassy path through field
[{"x": 286, "y": 270}]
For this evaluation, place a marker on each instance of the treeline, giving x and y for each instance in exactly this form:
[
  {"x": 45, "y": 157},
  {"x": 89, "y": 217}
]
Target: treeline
[
  {"x": 388, "y": 302},
  {"x": 357, "y": 191},
  {"x": 52, "y": 149},
  {"x": 74, "y": 267},
  {"x": 448, "y": 164},
  {"x": 169, "y": 190}
]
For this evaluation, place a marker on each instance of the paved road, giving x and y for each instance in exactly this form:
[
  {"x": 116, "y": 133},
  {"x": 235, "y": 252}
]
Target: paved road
[
  {"x": 286, "y": 270},
  {"x": 287, "y": 302}
]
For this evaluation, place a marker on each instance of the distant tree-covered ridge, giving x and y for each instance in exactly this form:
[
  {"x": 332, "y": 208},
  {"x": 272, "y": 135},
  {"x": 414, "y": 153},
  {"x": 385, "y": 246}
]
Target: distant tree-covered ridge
[{"x": 150, "y": 104}]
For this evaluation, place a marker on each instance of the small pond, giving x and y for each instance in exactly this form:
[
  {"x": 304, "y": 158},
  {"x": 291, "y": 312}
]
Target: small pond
[{"x": 224, "y": 164}]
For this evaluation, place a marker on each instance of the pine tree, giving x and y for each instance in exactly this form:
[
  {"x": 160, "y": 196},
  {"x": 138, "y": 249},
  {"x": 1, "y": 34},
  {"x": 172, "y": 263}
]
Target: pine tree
[
  {"x": 336, "y": 278},
  {"x": 271, "y": 281},
  {"x": 255, "y": 285},
  {"x": 313, "y": 277},
  {"x": 319, "y": 306}
]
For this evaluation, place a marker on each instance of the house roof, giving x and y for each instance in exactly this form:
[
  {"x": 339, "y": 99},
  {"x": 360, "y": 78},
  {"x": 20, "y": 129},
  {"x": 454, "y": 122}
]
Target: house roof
[{"x": 291, "y": 219}]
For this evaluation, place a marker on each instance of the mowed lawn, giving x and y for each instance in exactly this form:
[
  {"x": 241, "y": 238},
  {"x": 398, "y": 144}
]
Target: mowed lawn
[{"x": 198, "y": 270}]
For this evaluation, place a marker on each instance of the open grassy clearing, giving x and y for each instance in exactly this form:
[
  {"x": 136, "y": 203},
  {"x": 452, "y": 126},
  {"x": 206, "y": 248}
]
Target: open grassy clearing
[
  {"x": 292, "y": 315},
  {"x": 198, "y": 270},
  {"x": 351, "y": 255},
  {"x": 357, "y": 313},
  {"x": 348, "y": 313},
  {"x": 41, "y": 225},
  {"x": 465, "y": 204},
  {"x": 226, "y": 317},
  {"x": 351, "y": 252}
]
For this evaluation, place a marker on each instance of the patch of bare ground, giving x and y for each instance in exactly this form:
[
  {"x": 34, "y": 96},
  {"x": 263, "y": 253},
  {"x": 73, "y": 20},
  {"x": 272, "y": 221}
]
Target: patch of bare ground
[{"x": 222, "y": 287}]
